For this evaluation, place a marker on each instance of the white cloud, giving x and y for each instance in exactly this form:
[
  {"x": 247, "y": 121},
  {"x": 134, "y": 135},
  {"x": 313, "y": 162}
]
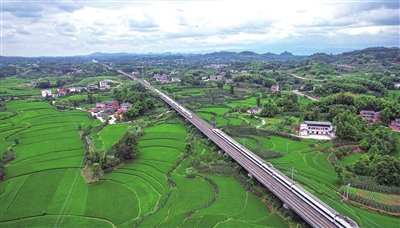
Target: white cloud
[{"x": 86, "y": 27}]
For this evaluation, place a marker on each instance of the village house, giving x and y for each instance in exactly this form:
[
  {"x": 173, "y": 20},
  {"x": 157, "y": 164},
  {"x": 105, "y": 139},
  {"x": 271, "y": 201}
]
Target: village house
[
  {"x": 254, "y": 110},
  {"x": 228, "y": 81},
  {"x": 126, "y": 106},
  {"x": 176, "y": 79},
  {"x": 107, "y": 106},
  {"x": 213, "y": 78},
  {"x": 370, "y": 115},
  {"x": 60, "y": 92},
  {"x": 216, "y": 78},
  {"x": 312, "y": 129},
  {"x": 397, "y": 85},
  {"x": 395, "y": 125},
  {"x": 203, "y": 78},
  {"x": 275, "y": 88},
  {"x": 75, "y": 89},
  {"x": 157, "y": 77},
  {"x": 104, "y": 85},
  {"x": 119, "y": 114},
  {"x": 161, "y": 78},
  {"x": 92, "y": 86},
  {"x": 46, "y": 92}
]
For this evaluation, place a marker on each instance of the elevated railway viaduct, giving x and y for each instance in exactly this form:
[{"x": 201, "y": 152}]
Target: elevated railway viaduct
[{"x": 312, "y": 215}]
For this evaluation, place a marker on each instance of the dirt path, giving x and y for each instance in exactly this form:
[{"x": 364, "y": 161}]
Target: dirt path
[
  {"x": 312, "y": 79},
  {"x": 105, "y": 220},
  {"x": 87, "y": 176},
  {"x": 302, "y": 94},
  {"x": 262, "y": 123}
]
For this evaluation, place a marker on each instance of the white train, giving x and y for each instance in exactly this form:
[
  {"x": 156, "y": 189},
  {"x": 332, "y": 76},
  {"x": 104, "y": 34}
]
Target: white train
[
  {"x": 322, "y": 208},
  {"x": 175, "y": 104}
]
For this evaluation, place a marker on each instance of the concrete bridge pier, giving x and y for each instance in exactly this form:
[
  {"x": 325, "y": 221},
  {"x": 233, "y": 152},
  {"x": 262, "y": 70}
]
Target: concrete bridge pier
[{"x": 250, "y": 175}]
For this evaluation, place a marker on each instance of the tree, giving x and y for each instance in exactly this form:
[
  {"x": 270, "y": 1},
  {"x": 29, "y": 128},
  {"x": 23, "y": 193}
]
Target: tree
[
  {"x": 220, "y": 84},
  {"x": 386, "y": 114},
  {"x": 231, "y": 90},
  {"x": 258, "y": 101},
  {"x": 125, "y": 148},
  {"x": 96, "y": 171},
  {"x": 90, "y": 98},
  {"x": 387, "y": 170},
  {"x": 338, "y": 171},
  {"x": 188, "y": 147},
  {"x": 269, "y": 109}
]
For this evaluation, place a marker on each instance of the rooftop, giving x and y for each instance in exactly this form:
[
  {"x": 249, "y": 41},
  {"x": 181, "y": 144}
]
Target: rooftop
[{"x": 318, "y": 123}]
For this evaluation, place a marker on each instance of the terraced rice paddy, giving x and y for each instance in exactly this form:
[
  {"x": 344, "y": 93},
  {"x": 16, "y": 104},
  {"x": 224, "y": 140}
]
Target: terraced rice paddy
[{"x": 47, "y": 176}]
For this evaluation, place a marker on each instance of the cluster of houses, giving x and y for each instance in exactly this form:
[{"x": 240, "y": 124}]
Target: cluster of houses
[
  {"x": 164, "y": 78},
  {"x": 373, "y": 116},
  {"x": 64, "y": 91},
  {"x": 110, "y": 107}
]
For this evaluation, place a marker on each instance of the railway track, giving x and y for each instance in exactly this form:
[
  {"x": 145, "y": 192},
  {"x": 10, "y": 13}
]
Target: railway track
[{"x": 308, "y": 212}]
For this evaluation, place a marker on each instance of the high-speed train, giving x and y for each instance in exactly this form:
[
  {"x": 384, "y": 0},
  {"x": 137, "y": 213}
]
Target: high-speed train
[
  {"x": 333, "y": 216},
  {"x": 181, "y": 108}
]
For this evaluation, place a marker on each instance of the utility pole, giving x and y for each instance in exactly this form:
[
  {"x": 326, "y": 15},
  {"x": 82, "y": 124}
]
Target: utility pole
[
  {"x": 293, "y": 171},
  {"x": 287, "y": 148}
]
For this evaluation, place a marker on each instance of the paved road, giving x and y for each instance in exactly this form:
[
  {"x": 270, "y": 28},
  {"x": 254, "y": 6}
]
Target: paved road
[{"x": 311, "y": 215}]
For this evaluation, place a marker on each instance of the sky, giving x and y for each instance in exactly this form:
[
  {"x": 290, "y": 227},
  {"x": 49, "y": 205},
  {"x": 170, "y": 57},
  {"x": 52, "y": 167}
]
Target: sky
[{"x": 65, "y": 28}]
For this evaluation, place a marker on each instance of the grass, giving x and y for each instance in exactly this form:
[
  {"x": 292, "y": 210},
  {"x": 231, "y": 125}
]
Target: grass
[
  {"x": 346, "y": 160},
  {"x": 216, "y": 110},
  {"x": 280, "y": 144},
  {"x": 111, "y": 134},
  {"x": 228, "y": 189},
  {"x": 205, "y": 116},
  {"x": 396, "y": 96},
  {"x": 68, "y": 221},
  {"x": 101, "y": 202},
  {"x": 192, "y": 193},
  {"x": 265, "y": 143},
  {"x": 37, "y": 191},
  {"x": 254, "y": 209},
  {"x": 235, "y": 121}
]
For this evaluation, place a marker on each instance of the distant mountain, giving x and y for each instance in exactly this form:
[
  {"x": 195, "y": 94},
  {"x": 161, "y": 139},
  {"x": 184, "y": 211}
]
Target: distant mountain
[
  {"x": 221, "y": 54},
  {"x": 248, "y": 53},
  {"x": 286, "y": 54},
  {"x": 270, "y": 55},
  {"x": 367, "y": 55}
]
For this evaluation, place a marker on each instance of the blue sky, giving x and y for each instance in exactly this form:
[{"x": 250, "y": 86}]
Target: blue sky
[{"x": 60, "y": 28}]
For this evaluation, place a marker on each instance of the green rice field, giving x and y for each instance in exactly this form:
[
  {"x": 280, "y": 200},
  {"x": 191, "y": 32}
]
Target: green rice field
[{"x": 47, "y": 176}]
